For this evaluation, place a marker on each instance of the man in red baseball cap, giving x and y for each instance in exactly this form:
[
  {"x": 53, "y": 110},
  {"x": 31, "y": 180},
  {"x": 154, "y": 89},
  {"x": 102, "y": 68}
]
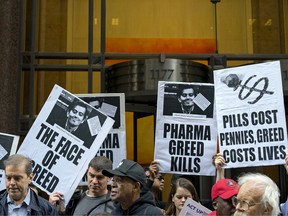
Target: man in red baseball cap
[{"x": 222, "y": 194}]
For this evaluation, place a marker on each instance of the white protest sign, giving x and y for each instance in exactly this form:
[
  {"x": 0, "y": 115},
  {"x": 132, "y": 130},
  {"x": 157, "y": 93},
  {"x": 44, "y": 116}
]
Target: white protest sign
[
  {"x": 8, "y": 146},
  {"x": 185, "y": 128},
  {"x": 193, "y": 208},
  {"x": 250, "y": 115},
  {"x": 61, "y": 142},
  {"x": 113, "y": 105}
]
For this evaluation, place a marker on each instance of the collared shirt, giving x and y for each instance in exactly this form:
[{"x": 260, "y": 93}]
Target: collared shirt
[{"x": 18, "y": 210}]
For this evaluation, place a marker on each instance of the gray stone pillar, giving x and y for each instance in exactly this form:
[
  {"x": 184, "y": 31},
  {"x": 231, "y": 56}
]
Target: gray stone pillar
[{"x": 9, "y": 57}]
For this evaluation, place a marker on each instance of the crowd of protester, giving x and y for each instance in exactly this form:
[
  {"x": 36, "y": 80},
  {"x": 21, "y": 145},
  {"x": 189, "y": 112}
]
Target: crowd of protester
[{"x": 136, "y": 191}]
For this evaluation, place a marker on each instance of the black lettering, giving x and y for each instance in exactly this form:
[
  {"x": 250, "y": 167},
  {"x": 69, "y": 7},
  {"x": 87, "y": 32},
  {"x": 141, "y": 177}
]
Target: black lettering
[
  {"x": 236, "y": 138},
  {"x": 270, "y": 135},
  {"x": 166, "y": 130},
  {"x": 271, "y": 152},
  {"x": 50, "y": 159},
  {"x": 78, "y": 156},
  {"x": 264, "y": 117},
  {"x": 235, "y": 120},
  {"x": 181, "y": 132},
  {"x": 106, "y": 153},
  {"x": 70, "y": 151},
  {"x": 111, "y": 141},
  {"x": 43, "y": 126},
  {"x": 45, "y": 178},
  {"x": 192, "y": 132},
  {"x": 48, "y": 135},
  {"x": 184, "y": 164},
  {"x": 53, "y": 184},
  {"x": 172, "y": 147},
  {"x": 236, "y": 155},
  {"x": 191, "y": 206},
  {"x": 186, "y": 147}
]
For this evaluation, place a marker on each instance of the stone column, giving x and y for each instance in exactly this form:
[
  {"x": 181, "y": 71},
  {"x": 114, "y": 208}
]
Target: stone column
[{"x": 9, "y": 57}]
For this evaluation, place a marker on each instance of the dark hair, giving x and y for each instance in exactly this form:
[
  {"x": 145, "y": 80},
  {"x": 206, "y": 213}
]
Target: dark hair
[
  {"x": 184, "y": 183},
  {"x": 77, "y": 102},
  {"x": 182, "y": 87},
  {"x": 100, "y": 163},
  {"x": 17, "y": 160}
]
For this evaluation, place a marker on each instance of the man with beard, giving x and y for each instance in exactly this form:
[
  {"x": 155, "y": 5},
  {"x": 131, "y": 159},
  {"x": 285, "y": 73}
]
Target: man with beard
[
  {"x": 97, "y": 198},
  {"x": 258, "y": 195},
  {"x": 129, "y": 190},
  {"x": 19, "y": 198}
]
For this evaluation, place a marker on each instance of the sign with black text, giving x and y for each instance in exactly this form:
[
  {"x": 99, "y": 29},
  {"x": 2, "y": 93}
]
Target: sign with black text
[
  {"x": 194, "y": 209},
  {"x": 185, "y": 128},
  {"x": 113, "y": 105},
  {"x": 250, "y": 115},
  {"x": 8, "y": 146},
  {"x": 65, "y": 136}
]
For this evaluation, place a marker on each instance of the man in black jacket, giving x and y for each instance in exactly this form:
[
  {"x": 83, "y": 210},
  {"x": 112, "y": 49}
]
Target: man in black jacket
[
  {"x": 19, "y": 198},
  {"x": 128, "y": 189}
]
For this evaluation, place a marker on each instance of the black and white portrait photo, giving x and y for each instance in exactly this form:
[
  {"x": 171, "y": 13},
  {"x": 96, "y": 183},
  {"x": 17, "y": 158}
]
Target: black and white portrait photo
[
  {"x": 188, "y": 99},
  {"x": 109, "y": 105},
  {"x": 73, "y": 115}
]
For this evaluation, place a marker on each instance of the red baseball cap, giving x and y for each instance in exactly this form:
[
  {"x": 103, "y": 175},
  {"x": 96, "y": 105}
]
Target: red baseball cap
[{"x": 224, "y": 188}]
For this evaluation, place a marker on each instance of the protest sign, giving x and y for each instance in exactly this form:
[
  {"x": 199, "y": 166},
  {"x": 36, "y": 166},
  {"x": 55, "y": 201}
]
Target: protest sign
[
  {"x": 250, "y": 115},
  {"x": 8, "y": 146},
  {"x": 65, "y": 136},
  {"x": 185, "y": 138},
  {"x": 193, "y": 208},
  {"x": 113, "y": 105}
]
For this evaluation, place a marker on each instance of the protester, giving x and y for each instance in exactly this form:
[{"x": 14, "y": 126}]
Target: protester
[
  {"x": 180, "y": 191},
  {"x": 155, "y": 182},
  {"x": 128, "y": 190},
  {"x": 219, "y": 162},
  {"x": 97, "y": 198},
  {"x": 19, "y": 198},
  {"x": 258, "y": 195},
  {"x": 223, "y": 192}
]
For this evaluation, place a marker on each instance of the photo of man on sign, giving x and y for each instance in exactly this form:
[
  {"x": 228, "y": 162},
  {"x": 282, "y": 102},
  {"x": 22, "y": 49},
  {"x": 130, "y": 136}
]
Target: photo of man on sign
[
  {"x": 76, "y": 117},
  {"x": 188, "y": 99}
]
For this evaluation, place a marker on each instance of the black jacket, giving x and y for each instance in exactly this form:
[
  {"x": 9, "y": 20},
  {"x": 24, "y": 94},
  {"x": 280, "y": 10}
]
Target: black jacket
[
  {"x": 37, "y": 206},
  {"x": 145, "y": 205}
]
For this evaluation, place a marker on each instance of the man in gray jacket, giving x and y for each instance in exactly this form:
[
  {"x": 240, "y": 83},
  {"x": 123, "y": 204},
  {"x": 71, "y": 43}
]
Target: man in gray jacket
[{"x": 97, "y": 198}]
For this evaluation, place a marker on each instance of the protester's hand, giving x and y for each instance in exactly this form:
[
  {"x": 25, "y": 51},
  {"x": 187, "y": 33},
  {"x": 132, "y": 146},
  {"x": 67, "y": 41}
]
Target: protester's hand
[
  {"x": 218, "y": 161},
  {"x": 286, "y": 163},
  {"x": 56, "y": 198},
  {"x": 154, "y": 169}
]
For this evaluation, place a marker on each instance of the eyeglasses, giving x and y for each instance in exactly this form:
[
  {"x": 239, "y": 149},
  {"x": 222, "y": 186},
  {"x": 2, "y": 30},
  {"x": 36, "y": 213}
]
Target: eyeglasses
[
  {"x": 185, "y": 94},
  {"x": 244, "y": 205}
]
